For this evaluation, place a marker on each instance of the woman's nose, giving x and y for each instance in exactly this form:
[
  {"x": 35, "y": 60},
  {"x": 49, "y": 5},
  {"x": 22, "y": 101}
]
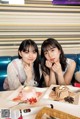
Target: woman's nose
[
  {"x": 30, "y": 54},
  {"x": 49, "y": 54}
]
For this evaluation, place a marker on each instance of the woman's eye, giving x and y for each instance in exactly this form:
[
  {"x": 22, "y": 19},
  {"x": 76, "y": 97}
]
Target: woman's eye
[
  {"x": 52, "y": 50},
  {"x": 34, "y": 51},
  {"x": 45, "y": 53},
  {"x": 26, "y": 52}
]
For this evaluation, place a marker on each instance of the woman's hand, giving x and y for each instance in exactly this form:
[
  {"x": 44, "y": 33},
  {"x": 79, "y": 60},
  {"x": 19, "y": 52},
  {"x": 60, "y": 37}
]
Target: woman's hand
[
  {"x": 28, "y": 70},
  {"x": 56, "y": 67},
  {"x": 58, "y": 71},
  {"x": 48, "y": 64}
]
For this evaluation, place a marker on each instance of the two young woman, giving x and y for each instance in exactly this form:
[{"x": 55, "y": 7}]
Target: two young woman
[{"x": 56, "y": 69}]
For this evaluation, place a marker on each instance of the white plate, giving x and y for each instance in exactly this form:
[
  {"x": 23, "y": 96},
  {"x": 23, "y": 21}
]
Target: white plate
[
  {"x": 16, "y": 92},
  {"x": 71, "y": 88},
  {"x": 4, "y": 103}
]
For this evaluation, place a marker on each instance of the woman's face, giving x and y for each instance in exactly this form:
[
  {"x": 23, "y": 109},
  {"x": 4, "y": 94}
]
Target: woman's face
[
  {"x": 52, "y": 54},
  {"x": 29, "y": 56}
]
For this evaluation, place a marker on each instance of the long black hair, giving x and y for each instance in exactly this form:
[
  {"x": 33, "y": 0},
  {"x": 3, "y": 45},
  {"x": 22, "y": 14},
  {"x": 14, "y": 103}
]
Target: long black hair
[
  {"x": 50, "y": 42},
  {"x": 25, "y": 45}
]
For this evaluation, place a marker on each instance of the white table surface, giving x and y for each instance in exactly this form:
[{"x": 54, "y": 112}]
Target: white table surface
[{"x": 65, "y": 107}]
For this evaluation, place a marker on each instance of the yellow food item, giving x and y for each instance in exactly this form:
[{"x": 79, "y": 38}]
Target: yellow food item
[{"x": 54, "y": 113}]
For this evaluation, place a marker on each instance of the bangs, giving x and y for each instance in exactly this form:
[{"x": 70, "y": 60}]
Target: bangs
[
  {"x": 28, "y": 47},
  {"x": 48, "y": 46}
]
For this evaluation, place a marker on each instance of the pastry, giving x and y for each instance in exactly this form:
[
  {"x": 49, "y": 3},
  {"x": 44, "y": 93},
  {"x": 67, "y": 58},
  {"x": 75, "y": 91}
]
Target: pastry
[
  {"x": 62, "y": 93},
  {"x": 48, "y": 113}
]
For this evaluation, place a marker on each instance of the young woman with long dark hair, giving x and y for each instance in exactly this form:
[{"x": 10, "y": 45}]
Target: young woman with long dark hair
[{"x": 56, "y": 68}]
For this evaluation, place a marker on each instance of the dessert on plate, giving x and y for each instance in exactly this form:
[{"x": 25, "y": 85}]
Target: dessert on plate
[
  {"x": 27, "y": 95},
  {"x": 62, "y": 93}
]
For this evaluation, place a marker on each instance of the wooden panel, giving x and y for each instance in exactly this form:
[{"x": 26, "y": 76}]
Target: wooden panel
[
  {"x": 10, "y": 46},
  {"x": 39, "y": 21}
]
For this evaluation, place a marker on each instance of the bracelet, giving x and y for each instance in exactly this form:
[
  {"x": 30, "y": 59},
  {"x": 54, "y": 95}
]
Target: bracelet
[{"x": 31, "y": 83}]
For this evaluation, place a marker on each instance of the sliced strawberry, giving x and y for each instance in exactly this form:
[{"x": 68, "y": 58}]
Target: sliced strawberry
[
  {"x": 18, "y": 98},
  {"x": 38, "y": 94},
  {"x": 32, "y": 100}
]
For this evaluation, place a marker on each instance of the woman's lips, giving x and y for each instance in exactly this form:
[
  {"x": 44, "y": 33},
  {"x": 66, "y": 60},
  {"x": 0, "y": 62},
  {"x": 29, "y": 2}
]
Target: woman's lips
[
  {"x": 30, "y": 61},
  {"x": 52, "y": 60}
]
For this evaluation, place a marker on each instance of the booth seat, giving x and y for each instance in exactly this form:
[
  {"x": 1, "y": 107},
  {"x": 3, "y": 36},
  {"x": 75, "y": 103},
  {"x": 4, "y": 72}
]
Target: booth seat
[{"x": 5, "y": 60}]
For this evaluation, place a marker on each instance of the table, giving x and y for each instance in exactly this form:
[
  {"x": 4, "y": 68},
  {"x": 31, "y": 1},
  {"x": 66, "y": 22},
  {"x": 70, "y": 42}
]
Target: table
[{"x": 65, "y": 107}]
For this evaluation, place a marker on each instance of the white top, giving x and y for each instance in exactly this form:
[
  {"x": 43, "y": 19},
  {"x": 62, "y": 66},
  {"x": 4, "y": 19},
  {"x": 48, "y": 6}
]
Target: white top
[
  {"x": 68, "y": 63},
  {"x": 17, "y": 75}
]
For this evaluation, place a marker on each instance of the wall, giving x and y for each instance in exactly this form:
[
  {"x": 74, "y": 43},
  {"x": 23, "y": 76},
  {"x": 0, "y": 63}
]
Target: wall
[{"x": 38, "y": 21}]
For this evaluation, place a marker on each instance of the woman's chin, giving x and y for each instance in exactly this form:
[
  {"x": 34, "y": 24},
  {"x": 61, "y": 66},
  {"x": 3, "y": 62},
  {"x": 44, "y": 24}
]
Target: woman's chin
[
  {"x": 29, "y": 62},
  {"x": 52, "y": 62}
]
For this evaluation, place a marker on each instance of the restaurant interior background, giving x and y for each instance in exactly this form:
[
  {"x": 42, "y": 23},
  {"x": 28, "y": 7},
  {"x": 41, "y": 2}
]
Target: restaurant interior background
[{"x": 38, "y": 20}]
